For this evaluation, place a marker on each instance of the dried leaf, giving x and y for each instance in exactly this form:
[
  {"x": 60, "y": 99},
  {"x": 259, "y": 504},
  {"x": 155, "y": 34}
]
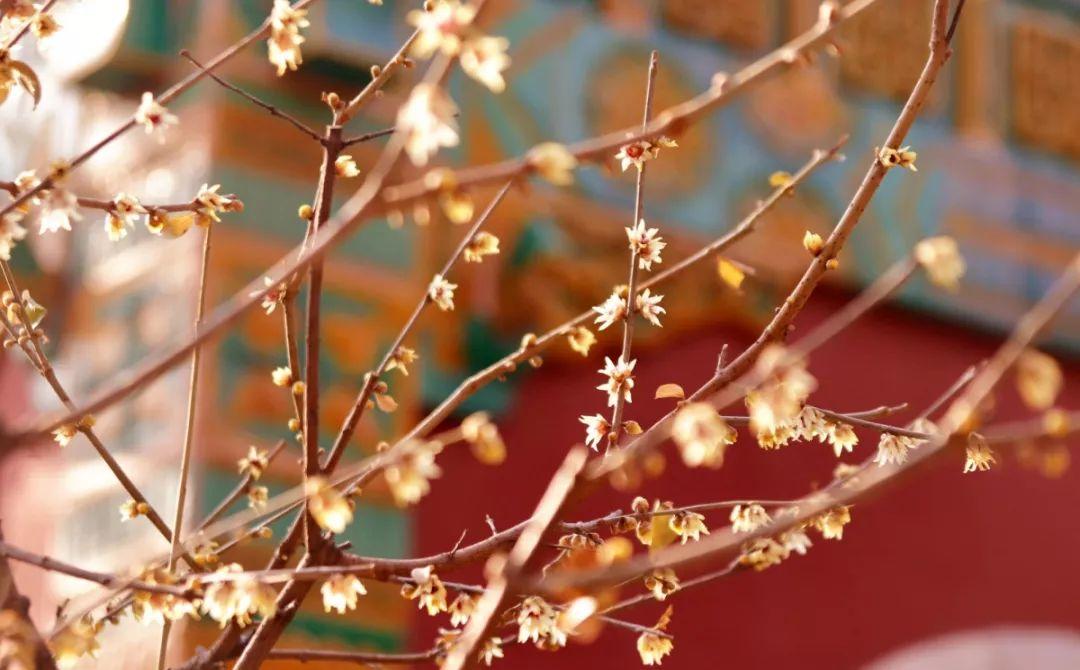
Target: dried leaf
[
  {"x": 669, "y": 391},
  {"x": 27, "y": 78},
  {"x": 730, "y": 273}
]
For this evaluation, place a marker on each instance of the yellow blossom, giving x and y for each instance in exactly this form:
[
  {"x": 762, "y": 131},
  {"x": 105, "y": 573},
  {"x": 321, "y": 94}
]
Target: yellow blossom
[
  {"x": 646, "y": 243},
  {"x": 979, "y": 454},
  {"x": 620, "y": 380},
  {"x": 330, "y": 509},
  {"x": 409, "y": 478},
  {"x": 484, "y": 59},
  {"x": 581, "y": 340},
  {"x": 152, "y": 115},
  {"x": 441, "y": 28},
  {"x": 904, "y": 157},
  {"x": 1038, "y": 379},
  {"x": 538, "y": 622},
  {"x": 748, "y": 518},
  {"x": 441, "y": 293},
  {"x": 701, "y": 435},
  {"x": 77, "y": 639},
  {"x": 662, "y": 583},
  {"x": 490, "y": 650},
  {"x": 254, "y": 463},
  {"x": 596, "y": 429},
  {"x": 458, "y": 207},
  {"x": 285, "y": 38},
  {"x": 402, "y": 358},
  {"x": 813, "y": 243},
  {"x": 762, "y": 553},
  {"x": 482, "y": 244},
  {"x": 831, "y": 524},
  {"x": 427, "y": 589},
  {"x": 340, "y": 593},
  {"x": 64, "y": 434},
  {"x": 553, "y": 162},
  {"x": 461, "y": 609},
  {"x": 942, "y": 261},
  {"x": 427, "y": 121},
  {"x": 282, "y": 376},
  {"x": 345, "y": 166},
  {"x": 688, "y": 526},
  {"x": 483, "y": 436}
]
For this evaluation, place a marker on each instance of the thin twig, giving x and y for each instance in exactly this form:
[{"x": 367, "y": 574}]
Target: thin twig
[{"x": 274, "y": 111}]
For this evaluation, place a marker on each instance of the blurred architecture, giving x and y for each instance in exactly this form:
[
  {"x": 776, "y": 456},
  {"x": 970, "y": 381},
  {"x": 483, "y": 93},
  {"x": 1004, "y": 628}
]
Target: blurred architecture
[{"x": 999, "y": 159}]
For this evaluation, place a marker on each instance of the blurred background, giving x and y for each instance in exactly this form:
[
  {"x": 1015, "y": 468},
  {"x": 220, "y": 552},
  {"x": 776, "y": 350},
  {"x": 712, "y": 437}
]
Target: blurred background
[{"x": 939, "y": 571}]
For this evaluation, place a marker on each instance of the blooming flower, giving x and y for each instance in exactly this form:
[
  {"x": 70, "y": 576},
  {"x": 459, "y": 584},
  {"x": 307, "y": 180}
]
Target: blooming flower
[
  {"x": 611, "y": 310},
  {"x": 345, "y": 166},
  {"x": 402, "y": 358},
  {"x": 652, "y": 648},
  {"x": 484, "y": 58},
  {"x": 762, "y": 553},
  {"x": 1038, "y": 379},
  {"x": 649, "y": 307},
  {"x": 662, "y": 583},
  {"x": 340, "y": 593},
  {"x": 152, "y": 115},
  {"x": 904, "y": 157},
  {"x": 254, "y": 463},
  {"x": 327, "y": 506},
  {"x": 59, "y": 207},
  {"x": 979, "y": 454},
  {"x": 274, "y": 297},
  {"x": 282, "y": 376},
  {"x": 461, "y": 609},
  {"x": 441, "y": 28},
  {"x": 646, "y": 244},
  {"x": 701, "y": 435},
  {"x": 637, "y": 153},
  {"x": 213, "y": 202},
  {"x": 257, "y": 497},
  {"x": 842, "y": 437},
  {"x": 285, "y": 38},
  {"x": 427, "y": 589},
  {"x": 893, "y": 449},
  {"x": 747, "y": 519},
  {"x": 64, "y": 434},
  {"x": 482, "y": 244},
  {"x": 688, "y": 525},
  {"x": 596, "y": 429},
  {"x": 581, "y": 340},
  {"x": 553, "y": 162},
  {"x": 831, "y": 524},
  {"x": 427, "y": 119},
  {"x": 620, "y": 380},
  {"x": 77, "y": 639},
  {"x": 483, "y": 436},
  {"x": 441, "y": 293},
  {"x": 942, "y": 261},
  {"x": 11, "y": 231},
  {"x": 538, "y": 621},
  {"x": 409, "y": 478},
  {"x": 795, "y": 540},
  {"x": 490, "y": 650}
]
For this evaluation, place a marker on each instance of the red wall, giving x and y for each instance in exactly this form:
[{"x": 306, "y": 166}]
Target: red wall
[{"x": 938, "y": 552}]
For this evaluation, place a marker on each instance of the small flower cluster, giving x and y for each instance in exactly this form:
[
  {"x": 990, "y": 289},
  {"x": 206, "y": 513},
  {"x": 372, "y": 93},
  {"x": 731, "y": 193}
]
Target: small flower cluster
[
  {"x": 446, "y": 26},
  {"x": 410, "y": 476},
  {"x": 285, "y": 39},
  {"x": 639, "y": 152}
]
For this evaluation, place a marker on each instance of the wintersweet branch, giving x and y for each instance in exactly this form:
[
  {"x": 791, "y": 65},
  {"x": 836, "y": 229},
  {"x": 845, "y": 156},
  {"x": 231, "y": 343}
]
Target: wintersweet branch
[
  {"x": 842, "y": 492},
  {"x": 167, "y": 96},
  {"x": 353, "y": 211}
]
